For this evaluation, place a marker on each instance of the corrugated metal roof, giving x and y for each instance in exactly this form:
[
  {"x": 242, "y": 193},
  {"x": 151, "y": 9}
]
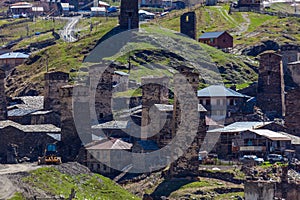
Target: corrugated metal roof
[
  {"x": 271, "y": 134},
  {"x": 295, "y": 139},
  {"x": 169, "y": 108},
  {"x": 239, "y": 127},
  {"x": 219, "y": 91},
  {"x": 121, "y": 73},
  {"x": 14, "y": 55},
  {"x": 20, "y": 112},
  {"x": 211, "y": 35},
  {"x": 98, "y": 9}
]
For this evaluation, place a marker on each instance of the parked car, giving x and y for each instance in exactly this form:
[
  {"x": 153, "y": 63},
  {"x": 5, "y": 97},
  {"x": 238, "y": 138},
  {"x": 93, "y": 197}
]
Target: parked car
[
  {"x": 276, "y": 158},
  {"x": 251, "y": 158}
]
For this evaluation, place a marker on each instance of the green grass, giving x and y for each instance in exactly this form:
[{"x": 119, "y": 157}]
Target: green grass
[
  {"x": 18, "y": 196},
  {"x": 229, "y": 196},
  {"x": 199, "y": 184},
  {"x": 34, "y": 39},
  {"x": 53, "y": 182},
  {"x": 129, "y": 93}
]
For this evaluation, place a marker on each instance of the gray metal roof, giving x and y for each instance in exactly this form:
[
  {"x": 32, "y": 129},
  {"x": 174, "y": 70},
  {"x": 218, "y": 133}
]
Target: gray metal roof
[
  {"x": 14, "y": 55},
  {"x": 295, "y": 139},
  {"x": 30, "y": 102},
  {"x": 271, "y": 135},
  {"x": 208, "y": 35},
  {"x": 108, "y": 144},
  {"x": 20, "y": 112},
  {"x": 39, "y": 128},
  {"x": 239, "y": 127},
  {"x": 219, "y": 91},
  {"x": 121, "y": 73},
  {"x": 169, "y": 108},
  {"x": 112, "y": 125}
]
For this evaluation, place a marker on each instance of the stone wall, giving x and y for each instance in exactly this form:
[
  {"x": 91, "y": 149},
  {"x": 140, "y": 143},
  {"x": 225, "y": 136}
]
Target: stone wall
[
  {"x": 129, "y": 17},
  {"x": 270, "y": 90},
  {"x": 53, "y": 82},
  {"x": 259, "y": 190},
  {"x": 154, "y": 91},
  {"x": 188, "y": 24},
  {"x": 3, "y": 108}
]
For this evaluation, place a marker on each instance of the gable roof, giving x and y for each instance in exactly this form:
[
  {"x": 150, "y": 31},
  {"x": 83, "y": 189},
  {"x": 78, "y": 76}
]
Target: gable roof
[
  {"x": 39, "y": 128},
  {"x": 107, "y": 144},
  {"x": 271, "y": 134},
  {"x": 208, "y": 35},
  {"x": 169, "y": 108},
  {"x": 219, "y": 91},
  {"x": 14, "y": 55},
  {"x": 239, "y": 127}
]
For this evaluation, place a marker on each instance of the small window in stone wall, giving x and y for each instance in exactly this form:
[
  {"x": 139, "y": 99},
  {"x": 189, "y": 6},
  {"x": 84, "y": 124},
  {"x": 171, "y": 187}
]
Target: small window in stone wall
[{"x": 187, "y": 19}]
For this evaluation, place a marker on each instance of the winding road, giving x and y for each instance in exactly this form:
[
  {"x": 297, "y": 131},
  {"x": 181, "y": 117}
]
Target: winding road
[{"x": 68, "y": 31}]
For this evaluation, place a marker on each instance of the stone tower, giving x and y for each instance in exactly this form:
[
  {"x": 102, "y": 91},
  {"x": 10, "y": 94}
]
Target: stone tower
[
  {"x": 101, "y": 77},
  {"x": 154, "y": 91},
  {"x": 270, "y": 89},
  {"x": 53, "y": 82},
  {"x": 75, "y": 120},
  {"x": 292, "y": 117},
  {"x": 3, "y": 108},
  {"x": 185, "y": 117},
  {"x": 129, "y": 17},
  {"x": 188, "y": 24}
]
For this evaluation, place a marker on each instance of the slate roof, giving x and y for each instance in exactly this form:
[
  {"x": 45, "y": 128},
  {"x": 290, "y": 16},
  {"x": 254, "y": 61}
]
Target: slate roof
[
  {"x": 30, "y": 102},
  {"x": 148, "y": 145},
  {"x": 39, "y": 128},
  {"x": 219, "y": 91},
  {"x": 239, "y": 127},
  {"x": 108, "y": 144},
  {"x": 208, "y": 35},
  {"x": 14, "y": 55}
]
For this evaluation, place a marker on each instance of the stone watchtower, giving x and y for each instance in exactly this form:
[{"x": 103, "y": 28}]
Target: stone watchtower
[
  {"x": 53, "y": 82},
  {"x": 188, "y": 24},
  {"x": 129, "y": 17},
  {"x": 270, "y": 89},
  {"x": 101, "y": 78},
  {"x": 3, "y": 108},
  {"x": 154, "y": 91},
  {"x": 292, "y": 116},
  {"x": 74, "y": 110},
  {"x": 184, "y": 124}
]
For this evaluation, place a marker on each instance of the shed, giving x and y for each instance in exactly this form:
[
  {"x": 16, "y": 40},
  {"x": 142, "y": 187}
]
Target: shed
[{"x": 221, "y": 39}]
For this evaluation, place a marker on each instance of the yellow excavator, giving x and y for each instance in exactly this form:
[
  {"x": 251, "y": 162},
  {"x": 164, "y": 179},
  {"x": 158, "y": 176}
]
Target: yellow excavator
[{"x": 50, "y": 156}]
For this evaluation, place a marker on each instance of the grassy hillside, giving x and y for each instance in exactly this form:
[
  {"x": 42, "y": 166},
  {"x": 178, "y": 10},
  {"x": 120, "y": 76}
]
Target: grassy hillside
[{"x": 87, "y": 186}]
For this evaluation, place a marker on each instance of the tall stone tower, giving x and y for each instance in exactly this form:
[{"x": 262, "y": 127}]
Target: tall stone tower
[
  {"x": 101, "y": 77},
  {"x": 292, "y": 117},
  {"x": 270, "y": 89},
  {"x": 129, "y": 17},
  {"x": 75, "y": 120},
  {"x": 188, "y": 24},
  {"x": 53, "y": 82},
  {"x": 3, "y": 108},
  {"x": 184, "y": 123},
  {"x": 154, "y": 91}
]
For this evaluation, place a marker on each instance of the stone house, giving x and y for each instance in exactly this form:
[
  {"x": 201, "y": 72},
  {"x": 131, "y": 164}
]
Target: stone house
[
  {"x": 20, "y": 8},
  {"x": 220, "y": 40},
  {"x": 114, "y": 129},
  {"x": 110, "y": 151},
  {"x": 248, "y": 5},
  {"x": 12, "y": 59},
  {"x": 221, "y": 102},
  {"x": 30, "y": 140}
]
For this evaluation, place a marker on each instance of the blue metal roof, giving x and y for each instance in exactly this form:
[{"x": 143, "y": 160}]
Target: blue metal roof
[
  {"x": 208, "y": 35},
  {"x": 13, "y": 55},
  {"x": 20, "y": 112},
  {"x": 219, "y": 91},
  {"x": 148, "y": 145}
]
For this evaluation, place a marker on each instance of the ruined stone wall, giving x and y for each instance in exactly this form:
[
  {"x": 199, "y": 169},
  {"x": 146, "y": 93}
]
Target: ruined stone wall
[
  {"x": 256, "y": 190},
  {"x": 101, "y": 77},
  {"x": 3, "y": 108},
  {"x": 188, "y": 24},
  {"x": 187, "y": 164},
  {"x": 270, "y": 90},
  {"x": 154, "y": 91},
  {"x": 53, "y": 82},
  {"x": 129, "y": 17}
]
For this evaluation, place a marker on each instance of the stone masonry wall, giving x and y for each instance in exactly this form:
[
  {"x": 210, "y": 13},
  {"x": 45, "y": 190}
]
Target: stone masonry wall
[
  {"x": 129, "y": 17},
  {"x": 3, "y": 108},
  {"x": 188, "y": 24}
]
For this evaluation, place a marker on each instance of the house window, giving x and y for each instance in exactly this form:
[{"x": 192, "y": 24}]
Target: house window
[
  {"x": 218, "y": 101},
  {"x": 187, "y": 19},
  {"x": 104, "y": 167},
  {"x": 101, "y": 115},
  {"x": 231, "y": 102},
  {"x": 201, "y": 101},
  {"x": 207, "y": 102}
]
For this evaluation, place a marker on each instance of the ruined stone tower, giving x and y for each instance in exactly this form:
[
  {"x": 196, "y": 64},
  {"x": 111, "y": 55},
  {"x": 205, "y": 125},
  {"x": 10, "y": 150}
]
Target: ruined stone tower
[
  {"x": 292, "y": 117},
  {"x": 188, "y": 116},
  {"x": 188, "y": 24},
  {"x": 53, "y": 82},
  {"x": 75, "y": 119},
  {"x": 129, "y": 17},
  {"x": 270, "y": 89},
  {"x": 101, "y": 77},
  {"x": 154, "y": 91},
  {"x": 3, "y": 108}
]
